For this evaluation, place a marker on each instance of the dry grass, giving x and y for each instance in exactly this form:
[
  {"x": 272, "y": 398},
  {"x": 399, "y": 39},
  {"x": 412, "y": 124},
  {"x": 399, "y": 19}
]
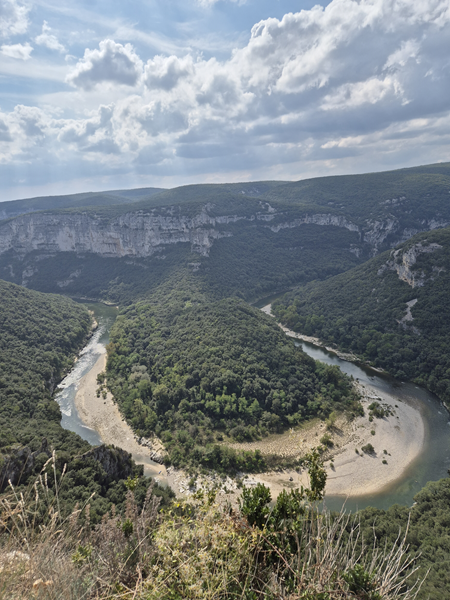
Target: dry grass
[{"x": 196, "y": 550}]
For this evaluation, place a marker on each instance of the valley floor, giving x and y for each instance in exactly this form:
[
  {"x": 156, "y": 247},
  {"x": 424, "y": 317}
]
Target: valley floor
[
  {"x": 103, "y": 415},
  {"x": 401, "y": 435}
]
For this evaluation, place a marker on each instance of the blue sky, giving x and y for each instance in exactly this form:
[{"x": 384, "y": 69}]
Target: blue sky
[{"x": 107, "y": 94}]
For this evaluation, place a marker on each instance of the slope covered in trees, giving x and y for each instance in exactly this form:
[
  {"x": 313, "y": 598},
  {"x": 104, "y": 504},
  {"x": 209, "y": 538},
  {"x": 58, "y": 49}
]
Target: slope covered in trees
[
  {"x": 194, "y": 371},
  {"x": 40, "y": 335},
  {"x": 428, "y": 534},
  {"x": 392, "y": 311}
]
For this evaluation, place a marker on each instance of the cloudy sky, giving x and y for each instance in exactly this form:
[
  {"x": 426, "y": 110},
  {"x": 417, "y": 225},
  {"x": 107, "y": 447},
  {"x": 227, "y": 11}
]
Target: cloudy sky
[{"x": 105, "y": 94}]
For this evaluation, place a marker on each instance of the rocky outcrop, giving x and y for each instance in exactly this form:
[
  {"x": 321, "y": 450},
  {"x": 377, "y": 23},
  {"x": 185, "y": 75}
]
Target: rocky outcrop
[
  {"x": 378, "y": 231},
  {"x": 403, "y": 263},
  {"x": 17, "y": 464},
  {"x": 117, "y": 463},
  {"x": 141, "y": 234},
  {"x": 133, "y": 234},
  {"x": 317, "y": 219}
]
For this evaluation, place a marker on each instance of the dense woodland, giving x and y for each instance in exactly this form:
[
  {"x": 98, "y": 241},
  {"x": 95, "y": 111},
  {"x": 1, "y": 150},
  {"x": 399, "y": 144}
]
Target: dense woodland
[
  {"x": 428, "y": 534},
  {"x": 40, "y": 335},
  {"x": 193, "y": 371},
  {"x": 363, "y": 310}
]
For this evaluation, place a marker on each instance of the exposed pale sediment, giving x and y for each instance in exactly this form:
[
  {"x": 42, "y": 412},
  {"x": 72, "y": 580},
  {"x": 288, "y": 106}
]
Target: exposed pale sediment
[
  {"x": 103, "y": 415},
  {"x": 401, "y": 435}
]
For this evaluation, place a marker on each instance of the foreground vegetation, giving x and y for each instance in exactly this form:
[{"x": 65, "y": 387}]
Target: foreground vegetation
[{"x": 196, "y": 549}]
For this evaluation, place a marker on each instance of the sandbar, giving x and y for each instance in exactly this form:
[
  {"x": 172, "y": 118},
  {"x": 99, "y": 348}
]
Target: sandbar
[
  {"x": 398, "y": 440},
  {"x": 103, "y": 415}
]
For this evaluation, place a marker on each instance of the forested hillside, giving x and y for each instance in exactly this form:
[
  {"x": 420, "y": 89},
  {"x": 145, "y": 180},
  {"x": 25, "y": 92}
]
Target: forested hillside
[
  {"x": 392, "y": 311},
  {"x": 428, "y": 534},
  {"x": 193, "y": 371},
  {"x": 16, "y": 207},
  {"x": 40, "y": 335},
  {"x": 408, "y": 195}
]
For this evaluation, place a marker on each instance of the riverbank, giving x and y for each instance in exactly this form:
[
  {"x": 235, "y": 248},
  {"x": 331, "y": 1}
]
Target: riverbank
[
  {"x": 103, "y": 415},
  {"x": 311, "y": 340},
  {"x": 398, "y": 439}
]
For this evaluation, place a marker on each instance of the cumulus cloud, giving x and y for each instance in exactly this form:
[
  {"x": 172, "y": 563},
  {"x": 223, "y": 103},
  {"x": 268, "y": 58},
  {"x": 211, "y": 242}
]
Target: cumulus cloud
[
  {"x": 5, "y": 135},
  {"x": 165, "y": 73},
  {"x": 13, "y": 18},
  {"x": 33, "y": 121},
  {"x": 94, "y": 132},
  {"x": 19, "y": 51},
  {"x": 46, "y": 38},
  {"x": 333, "y": 84},
  {"x": 112, "y": 63}
]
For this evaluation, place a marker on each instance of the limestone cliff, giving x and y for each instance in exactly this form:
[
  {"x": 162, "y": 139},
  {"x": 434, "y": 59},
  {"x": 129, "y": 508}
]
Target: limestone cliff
[
  {"x": 141, "y": 234},
  {"x": 403, "y": 263}
]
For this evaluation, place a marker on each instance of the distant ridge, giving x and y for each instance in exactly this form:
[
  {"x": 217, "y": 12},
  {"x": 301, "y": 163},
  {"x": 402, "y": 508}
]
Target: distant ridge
[{"x": 15, "y": 208}]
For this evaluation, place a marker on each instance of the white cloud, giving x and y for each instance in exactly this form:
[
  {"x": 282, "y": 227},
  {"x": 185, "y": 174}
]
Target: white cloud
[
  {"x": 325, "y": 86},
  {"x": 48, "y": 39},
  {"x": 165, "y": 73},
  {"x": 372, "y": 91},
  {"x": 13, "y": 18},
  {"x": 19, "y": 51},
  {"x": 5, "y": 135},
  {"x": 113, "y": 63}
]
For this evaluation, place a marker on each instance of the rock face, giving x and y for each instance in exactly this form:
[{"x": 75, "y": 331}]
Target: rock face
[
  {"x": 317, "y": 219},
  {"x": 141, "y": 234},
  {"x": 133, "y": 234},
  {"x": 116, "y": 462},
  {"x": 18, "y": 463},
  {"x": 403, "y": 263}
]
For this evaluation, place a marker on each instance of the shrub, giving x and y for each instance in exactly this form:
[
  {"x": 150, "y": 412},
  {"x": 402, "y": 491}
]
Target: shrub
[
  {"x": 326, "y": 440},
  {"x": 368, "y": 449}
]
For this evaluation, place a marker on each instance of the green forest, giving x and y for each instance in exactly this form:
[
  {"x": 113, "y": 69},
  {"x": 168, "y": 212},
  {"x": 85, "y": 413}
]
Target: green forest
[
  {"x": 193, "y": 372},
  {"x": 363, "y": 311}
]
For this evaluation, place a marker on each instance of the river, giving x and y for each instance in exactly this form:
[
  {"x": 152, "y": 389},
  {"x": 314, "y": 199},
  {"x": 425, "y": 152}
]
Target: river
[
  {"x": 105, "y": 317},
  {"x": 432, "y": 464}
]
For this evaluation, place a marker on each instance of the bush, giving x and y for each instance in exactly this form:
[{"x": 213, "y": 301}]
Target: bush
[
  {"x": 326, "y": 440},
  {"x": 368, "y": 449}
]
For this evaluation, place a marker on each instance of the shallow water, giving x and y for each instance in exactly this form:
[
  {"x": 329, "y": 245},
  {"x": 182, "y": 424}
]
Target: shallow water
[
  {"x": 433, "y": 462},
  {"x": 105, "y": 317}
]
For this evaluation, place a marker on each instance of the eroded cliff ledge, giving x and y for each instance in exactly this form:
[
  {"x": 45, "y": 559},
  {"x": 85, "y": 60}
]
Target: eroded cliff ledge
[{"x": 141, "y": 234}]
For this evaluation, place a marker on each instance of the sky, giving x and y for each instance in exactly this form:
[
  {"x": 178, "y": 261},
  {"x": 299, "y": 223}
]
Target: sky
[{"x": 107, "y": 94}]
